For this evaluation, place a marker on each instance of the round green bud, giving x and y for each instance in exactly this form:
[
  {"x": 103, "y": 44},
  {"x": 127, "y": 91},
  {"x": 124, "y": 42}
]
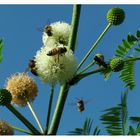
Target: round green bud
[
  {"x": 100, "y": 56},
  {"x": 5, "y": 97},
  {"x": 116, "y": 64},
  {"x": 116, "y": 16}
]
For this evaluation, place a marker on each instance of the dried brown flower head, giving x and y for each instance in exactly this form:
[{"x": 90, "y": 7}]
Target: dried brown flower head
[{"x": 5, "y": 129}]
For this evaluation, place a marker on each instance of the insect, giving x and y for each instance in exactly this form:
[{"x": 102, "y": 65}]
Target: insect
[
  {"x": 80, "y": 104},
  {"x": 57, "y": 51},
  {"x": 100, "y": 62},
  {"x": 48, "y": 30},
  {"x": 32, "y": 68}
]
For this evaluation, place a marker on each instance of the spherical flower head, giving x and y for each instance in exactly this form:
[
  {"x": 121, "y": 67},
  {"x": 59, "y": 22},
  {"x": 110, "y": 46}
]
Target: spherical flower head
[
  {"x": 5, "y": 97},
  {"x": 55, "y": 68},
  {"x": 58, "y": 32},
  {"x": 5, "y": 129},
  {"x": 116, "y": 64},
  {"x": 116, "y": 16},
  {"x": 22, "y": 87}
]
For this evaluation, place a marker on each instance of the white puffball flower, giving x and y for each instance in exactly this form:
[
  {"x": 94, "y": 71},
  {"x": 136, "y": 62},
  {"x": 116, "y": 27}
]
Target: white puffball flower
[
  {"x": 60, "y": 32},
  {"x": 51, "y": 69}
]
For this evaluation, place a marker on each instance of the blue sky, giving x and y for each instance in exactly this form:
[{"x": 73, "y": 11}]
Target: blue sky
[{"x": 19, "y": 29}]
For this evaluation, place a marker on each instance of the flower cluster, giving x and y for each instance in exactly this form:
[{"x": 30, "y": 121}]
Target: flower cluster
[
  {"x": 55, "y": 61},
  {"x": 22, "y": 88}
]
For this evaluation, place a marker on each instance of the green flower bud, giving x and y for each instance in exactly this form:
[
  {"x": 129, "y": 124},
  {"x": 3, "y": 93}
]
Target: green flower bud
[
  {"x": 116, "y": 16},
  {"x": 5, "y": 97},
  {"x": 116, "y": 64},
  {"x": 99, "y": 56}
]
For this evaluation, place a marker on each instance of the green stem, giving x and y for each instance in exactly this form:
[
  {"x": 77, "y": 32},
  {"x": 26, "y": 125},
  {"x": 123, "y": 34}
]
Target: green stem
[
  {"x": 23, "y": 119},
  {"x": 81, "y": 76},
  {"x": 35, "y": 116},
  {"x": 94, "y": 45},
  {"x": 75, "y": 22},
  {"x": 87, "y": 67},
  {"x": 21, "y": 130},
  {"x": 49, "y": 109},
  {"x": 59, "y": 109},
  {"x": 65, "y": 88},
  {"x": 132, "y": 59}
]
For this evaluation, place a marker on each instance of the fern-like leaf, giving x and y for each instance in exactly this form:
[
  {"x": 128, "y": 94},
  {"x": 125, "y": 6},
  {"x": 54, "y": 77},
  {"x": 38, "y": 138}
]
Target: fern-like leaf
[
  {"x": 86, "y": 129},
  {"x": 116, "y": 118},
  {"x": 1, "y": 48},
  {"x": 133, "y": 131},
  {"x": 135, "y": 119},
  {"x": 123, "y": 49},
  {"x": 128, "y": 44},
  {"x": 127, "y": 75}
]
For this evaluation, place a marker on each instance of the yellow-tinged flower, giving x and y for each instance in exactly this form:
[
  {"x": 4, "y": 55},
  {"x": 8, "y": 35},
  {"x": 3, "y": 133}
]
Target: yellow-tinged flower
[{"x": 22, "y": 87}]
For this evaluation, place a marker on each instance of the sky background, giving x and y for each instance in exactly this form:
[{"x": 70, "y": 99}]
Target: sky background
[{"x": 19, "y": 28}]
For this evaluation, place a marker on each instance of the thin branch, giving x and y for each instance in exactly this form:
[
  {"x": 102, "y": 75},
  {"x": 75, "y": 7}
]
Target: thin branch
[
  {"x": 21, "y": 130},
  {"x": 94, "y": 45},
  {"x": 23, "y": 119},
  {"x": 49, "y": 109},
  {"x": 35, "y": 116}
]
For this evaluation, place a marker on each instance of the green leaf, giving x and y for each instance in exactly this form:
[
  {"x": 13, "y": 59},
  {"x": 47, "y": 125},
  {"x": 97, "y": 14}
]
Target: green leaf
[
  {"x": 137, "y": 49},
  {"x": 131, "y": 131},
  {"x": 106, "y": 73},
  {"x": 135, "y": 119},
  {"x": 127, "y": 75},
  {"x": 86, "y": 129},
  {"x": 115, "y": 118},
  {"x": 131, "y": 39},
  {"x": 96, "y": 131},
  {"x": 123, "y": 49},
  {"x": 138, "y": 34},
  {"x": 1, "y": 49}
]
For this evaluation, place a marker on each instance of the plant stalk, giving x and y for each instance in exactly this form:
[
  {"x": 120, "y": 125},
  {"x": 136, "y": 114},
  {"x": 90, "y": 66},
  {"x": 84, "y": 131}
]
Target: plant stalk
[
  {"x": 87, "y": 67},
  {"x": 65, "y": 88},
  {"x": 21, "y": 130},
  {"x": 132, "y": 59},
  {"x": 35, "y": 116},
  {"x": 94, "y": 45},
  {"x": 49, "y": 109},
  {"x": 23, "y": 119},
  {"x": 74, "y": 23},
  {"x": 59, "y": 109}
]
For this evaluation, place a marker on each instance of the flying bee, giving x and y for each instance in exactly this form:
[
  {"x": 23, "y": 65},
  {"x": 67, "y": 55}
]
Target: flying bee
[
  {"x": 57, "y": 51},
  {"x": 100, "y": 61},
  {"x": 48, "y": 30},
  {"x": 32, "y": 67},
  {"x": 80, "y": 104}
]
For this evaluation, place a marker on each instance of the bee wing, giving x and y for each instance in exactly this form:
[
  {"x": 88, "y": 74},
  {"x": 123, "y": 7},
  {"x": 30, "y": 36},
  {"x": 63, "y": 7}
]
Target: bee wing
[
  {"x": 71, "y": 104},
  {"x": 88, "y": 101}
]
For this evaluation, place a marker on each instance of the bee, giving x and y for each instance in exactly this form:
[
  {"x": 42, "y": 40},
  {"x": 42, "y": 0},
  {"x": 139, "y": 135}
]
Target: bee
[
  {"x": 48, "y": 30},
  {"x": 80, "y": 105},
  {"x": 32, "y": 68},
  {"x": 57, "y": 51},
  {"x": 100, "y": 62}
]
